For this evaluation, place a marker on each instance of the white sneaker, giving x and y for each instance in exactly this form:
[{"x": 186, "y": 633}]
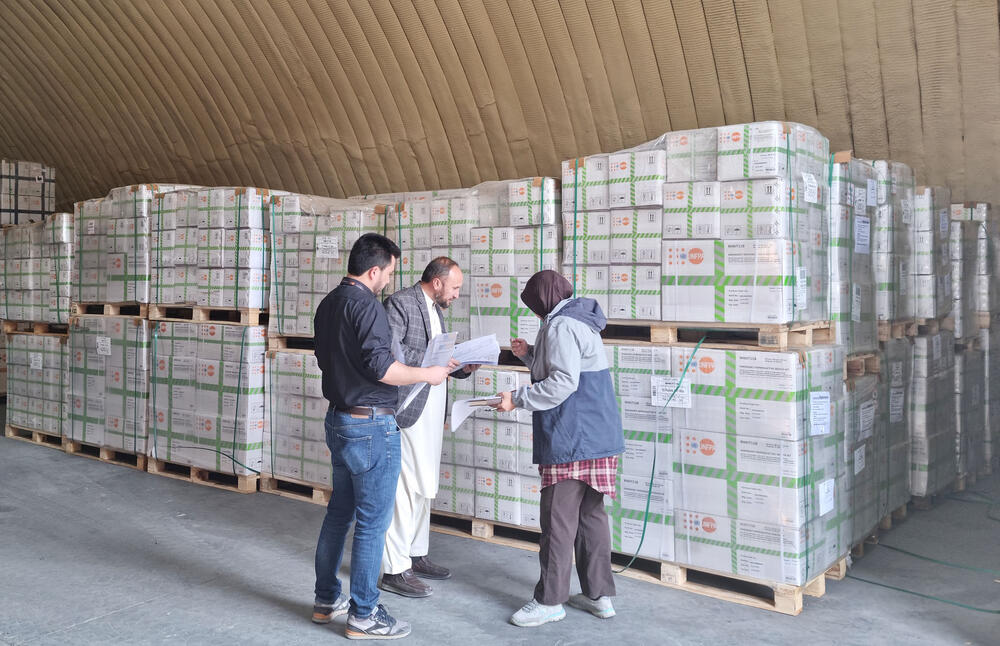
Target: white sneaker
[
  {"x": 536, "y": 614},
  {"x": 600, "y": 607}
]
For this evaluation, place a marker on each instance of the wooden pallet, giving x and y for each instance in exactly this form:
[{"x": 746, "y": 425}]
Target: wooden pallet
[
  {"x": 839, "y": 570},
  {"x": 859, "y": 365},
  {"x": 198, "y": 475},
  {"x": 984, "y": 319},
  {"x": 305, "y": 343},
  {"x": 777, "y": 597},
  {"x": 34, "y": 436},
  {"x": 296, "y": 489},
  {"x": 934, "y": 326},
  {"x": 758, "y": 336},
  {"x": 199, "y": 314},
  {"x": 110, "y": 309},
  {"x": 35, "y": 327},
  {"x": 897, "y": 329},
  {"x": 105, "y": 454},
  {"x": 873, "y": 536}
]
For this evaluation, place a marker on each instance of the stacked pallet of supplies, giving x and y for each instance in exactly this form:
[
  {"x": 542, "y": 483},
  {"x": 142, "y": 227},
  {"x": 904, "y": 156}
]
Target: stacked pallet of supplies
[
  {"x": 762, "y": 485},
  {"x": 295, "y": 445},
  {"x": 37, "y": 382},
  {"x": 517, "y": 234},
  {"x": 207, "y": 395},
  {"x": 852, "y": 286},
  {"x": 931, "y": 259},
  {"x": 27, "y": 191},
  {"x": 233, "y": 253},
  {"x": 37, "y": 261},
  {"x": 767, "y": 261},
  {"x": 963, "y": 242},
  {"x": 636, "y": 371},
  {"x": 3, "y": 363},
  {"x": 989, "y": 342},
  {"x": 894, "y": 416},
  {"x": 486, "y": 461},
  {"x": 932, "y": 414},
  {"x": 112, "y": 245},
  {"x": 174, "y": 255},
  {"x": 109, "y": 390},
  {"x": 892, "y": 240},
  {"x": 313, "y": 237}
]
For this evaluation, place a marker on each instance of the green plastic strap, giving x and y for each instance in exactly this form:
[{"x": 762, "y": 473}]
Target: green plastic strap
[
  {"x": 576, "y": 206},
  {"x": 925, "y": 596},
  {"x": 652, "y": 473}
]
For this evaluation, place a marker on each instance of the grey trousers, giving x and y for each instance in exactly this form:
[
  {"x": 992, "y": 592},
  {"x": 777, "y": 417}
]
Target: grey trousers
[{"x": 573, "y": 521}]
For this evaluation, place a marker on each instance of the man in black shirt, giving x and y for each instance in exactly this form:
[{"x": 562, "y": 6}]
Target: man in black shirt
[{"x": 361, "y": 373}]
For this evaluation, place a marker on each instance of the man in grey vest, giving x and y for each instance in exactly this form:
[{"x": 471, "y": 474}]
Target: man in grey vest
[{"x": 415, "y": 317}]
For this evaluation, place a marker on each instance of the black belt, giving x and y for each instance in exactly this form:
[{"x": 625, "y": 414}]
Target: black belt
[{"x": 364, "y": 411}]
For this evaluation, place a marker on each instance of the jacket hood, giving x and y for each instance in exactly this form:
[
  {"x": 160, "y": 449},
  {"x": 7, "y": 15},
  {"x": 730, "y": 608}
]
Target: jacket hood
[{"x": 585, "y": 310}]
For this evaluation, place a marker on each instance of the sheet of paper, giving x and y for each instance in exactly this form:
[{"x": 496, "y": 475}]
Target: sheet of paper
[
  {"x": 439, "y": 350},
  {"x": 438, "y": 353},
  {"x": 484, "y": 350},
  {"x": 462, "y": 408}
]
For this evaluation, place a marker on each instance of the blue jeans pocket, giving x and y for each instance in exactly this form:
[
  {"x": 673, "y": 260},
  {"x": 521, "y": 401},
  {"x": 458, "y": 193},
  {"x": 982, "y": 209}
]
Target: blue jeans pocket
[{"x": 356, "y": 453}]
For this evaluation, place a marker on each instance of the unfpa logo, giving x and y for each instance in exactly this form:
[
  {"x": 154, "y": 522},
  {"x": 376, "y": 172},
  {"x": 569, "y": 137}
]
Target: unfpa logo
[
  {"x": 706, "y": 365},
  {"x": 708, "y": 524},
  {"x": 707, "y": 447},
  {"x": 695, "y": 256},
  {"x": 735, "y": 137}
]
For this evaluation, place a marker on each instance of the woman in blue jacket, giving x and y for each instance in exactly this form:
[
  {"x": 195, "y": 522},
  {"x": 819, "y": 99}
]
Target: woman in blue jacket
[{"x": 577, "y": 440}]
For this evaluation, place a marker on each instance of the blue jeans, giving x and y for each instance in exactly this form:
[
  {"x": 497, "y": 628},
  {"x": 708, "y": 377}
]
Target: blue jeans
[{"x": 365, "y": 455}]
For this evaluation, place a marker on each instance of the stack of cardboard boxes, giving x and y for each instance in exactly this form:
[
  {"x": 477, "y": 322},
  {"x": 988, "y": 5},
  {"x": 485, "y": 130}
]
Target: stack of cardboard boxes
[
  {"x": 893, "y": 241},
  {"x": 109, "y": 387},
  {"x": 112, "y": 245},
  {"x": 852, "y": 287},
  {"x": 516, "y": 236},
  {"x": 207, "y": 396},
  {"x": 931, "y": 261},
  {"x": 295, "y": 445},
  {"x": 37, "y": 261},
  {"x": 313, "y": 237},
  {"x": 27, "y": 191},
  {"x": 932, "y": 414},
  {"x": 486, "y": 466},
  {"x": 175, "y": 248},
  {"x": 37, "y": 382}
]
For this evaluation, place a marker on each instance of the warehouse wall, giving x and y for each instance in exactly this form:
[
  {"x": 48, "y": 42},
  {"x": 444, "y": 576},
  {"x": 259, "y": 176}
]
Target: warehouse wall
[{"x": 339, "y": 97}]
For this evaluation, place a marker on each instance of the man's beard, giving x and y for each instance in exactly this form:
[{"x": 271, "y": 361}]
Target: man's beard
[{"x": 441, "y": 302}]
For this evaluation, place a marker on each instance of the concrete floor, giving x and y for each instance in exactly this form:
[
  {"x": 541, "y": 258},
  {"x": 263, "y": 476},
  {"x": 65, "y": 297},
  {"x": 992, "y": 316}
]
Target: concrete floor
[{"x": 92, "y": 553}]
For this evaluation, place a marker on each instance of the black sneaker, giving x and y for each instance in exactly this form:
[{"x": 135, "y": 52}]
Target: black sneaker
[
  {"x": 323, "y": 613},
  {"x": 380, "y": 625}
]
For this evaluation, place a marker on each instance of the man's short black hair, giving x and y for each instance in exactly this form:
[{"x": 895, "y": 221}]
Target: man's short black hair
[
  {"x": 437, "y": 268},
  {"x": 371, "y": 250}
]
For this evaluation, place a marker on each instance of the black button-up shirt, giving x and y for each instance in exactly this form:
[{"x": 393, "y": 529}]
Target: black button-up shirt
[{"x": 354, "y": 347}]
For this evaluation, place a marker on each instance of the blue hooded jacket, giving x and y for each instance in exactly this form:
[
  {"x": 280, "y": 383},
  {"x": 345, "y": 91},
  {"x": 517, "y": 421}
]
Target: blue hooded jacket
[{"x": 575, "y": 412}]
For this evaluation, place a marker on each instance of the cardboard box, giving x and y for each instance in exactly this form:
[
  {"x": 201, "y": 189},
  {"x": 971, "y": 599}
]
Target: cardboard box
[
  {"x": 590, "y": 282},
  {"x": 692, "y": 155},
  {"x": 636, "y": 236},
  {"x": 531, "y": 202},
  {"x": 493, "y": 251},
  {"x": 589, "y": 242},
  {"x": 496, "y": 308},
  {"x": 763, "y": 281},
  {"x": 636, "y": 177},
  {"x": 498, "y": 496},
  {"x": 692, "y": 210},
  {"x": 585, "y": 183},
  {"x": 634, "y": 292}
]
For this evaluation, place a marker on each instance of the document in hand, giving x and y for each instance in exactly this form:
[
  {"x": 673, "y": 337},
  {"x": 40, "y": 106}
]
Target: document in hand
[
  {"x": 484, "y": 350},
  {"x": 462, "y": 408}
]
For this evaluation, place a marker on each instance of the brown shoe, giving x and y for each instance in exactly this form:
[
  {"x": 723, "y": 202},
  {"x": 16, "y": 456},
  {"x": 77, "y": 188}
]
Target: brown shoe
[
  {"x": 405, "y": 584},
  {"x": 426, "y": 569}
]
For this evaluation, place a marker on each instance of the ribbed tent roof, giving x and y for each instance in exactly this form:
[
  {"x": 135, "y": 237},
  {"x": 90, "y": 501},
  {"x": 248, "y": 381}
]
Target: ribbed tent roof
[{"x": 360, "y": 96}]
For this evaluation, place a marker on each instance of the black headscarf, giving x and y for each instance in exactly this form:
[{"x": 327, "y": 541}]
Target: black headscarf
[{"x": 544, "y": 291}]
